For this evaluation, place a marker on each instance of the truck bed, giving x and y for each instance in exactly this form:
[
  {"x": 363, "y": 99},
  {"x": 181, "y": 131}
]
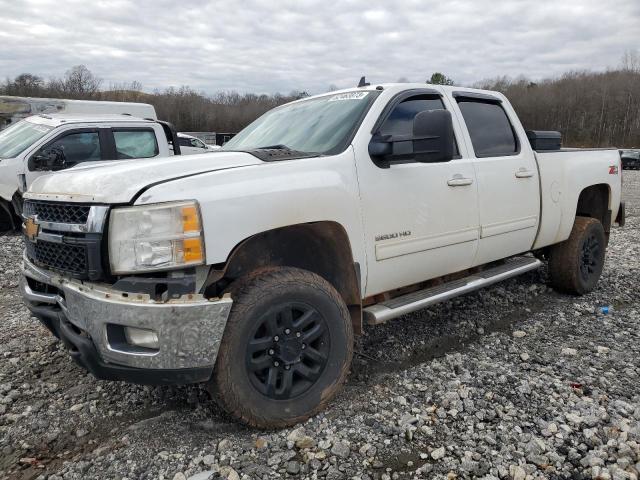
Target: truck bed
[{"x": 564, "y": 174}]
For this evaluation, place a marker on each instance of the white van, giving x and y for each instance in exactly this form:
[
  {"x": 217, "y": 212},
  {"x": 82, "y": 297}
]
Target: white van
[{"x": 14, "y": 109}]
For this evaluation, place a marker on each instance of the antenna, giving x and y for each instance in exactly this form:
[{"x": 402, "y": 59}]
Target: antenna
[{"x": 363, "y": 82}]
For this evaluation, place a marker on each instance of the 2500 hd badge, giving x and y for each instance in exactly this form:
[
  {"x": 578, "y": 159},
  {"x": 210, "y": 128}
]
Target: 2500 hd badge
[{"x": 389, "y": 236}]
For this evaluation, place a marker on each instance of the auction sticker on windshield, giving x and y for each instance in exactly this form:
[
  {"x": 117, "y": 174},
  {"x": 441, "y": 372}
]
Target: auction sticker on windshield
[{"x": 349, "y": 96}]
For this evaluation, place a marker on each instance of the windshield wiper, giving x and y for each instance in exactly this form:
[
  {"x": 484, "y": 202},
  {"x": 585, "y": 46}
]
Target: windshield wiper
[
  {"x": 279, "y": 146},
  {"x": 272, "y": 153}
]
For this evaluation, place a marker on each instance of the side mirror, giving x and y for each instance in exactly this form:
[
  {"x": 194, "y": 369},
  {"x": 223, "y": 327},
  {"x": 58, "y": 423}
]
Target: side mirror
[
  {"x": 48, "y": 160},
  {"x": 379, "y": 147},
  {"x": 433, "y": 136},
  {"x": 431, "y": 140}
]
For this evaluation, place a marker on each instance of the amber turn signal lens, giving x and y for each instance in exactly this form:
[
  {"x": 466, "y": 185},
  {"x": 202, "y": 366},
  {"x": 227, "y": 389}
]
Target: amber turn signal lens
[
  {"x": 192, "y": 248},
  {"x": 190, "y": 219}
]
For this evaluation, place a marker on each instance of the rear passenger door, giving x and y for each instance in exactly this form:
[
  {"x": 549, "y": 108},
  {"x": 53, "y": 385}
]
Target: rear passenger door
[
  {"x": 134, "y": 142},
  {"x": 507, "y": 176}
]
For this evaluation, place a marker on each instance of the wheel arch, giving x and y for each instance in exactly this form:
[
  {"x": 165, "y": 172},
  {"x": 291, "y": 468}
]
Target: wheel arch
[
  {"x": 10, "y": 213},
  {"x": 594, "y": 201},
  {"x": 320, "y": 247}
]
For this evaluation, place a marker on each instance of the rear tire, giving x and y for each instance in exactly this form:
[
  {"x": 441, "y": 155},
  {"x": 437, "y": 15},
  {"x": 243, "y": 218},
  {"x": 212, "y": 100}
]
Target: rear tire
[
  {"x": 286, "y": 350},
  {"x": 575, "y": 265}
]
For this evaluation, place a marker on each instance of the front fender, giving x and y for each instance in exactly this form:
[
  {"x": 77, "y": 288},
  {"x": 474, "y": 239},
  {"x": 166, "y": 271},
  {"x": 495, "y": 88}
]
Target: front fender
[
  {"x": 239, "y": 203},
  {"x": 9, "y": 169}
]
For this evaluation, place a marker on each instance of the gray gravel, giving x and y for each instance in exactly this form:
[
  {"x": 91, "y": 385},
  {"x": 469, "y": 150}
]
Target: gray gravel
[{"x": 512, "y": 382}]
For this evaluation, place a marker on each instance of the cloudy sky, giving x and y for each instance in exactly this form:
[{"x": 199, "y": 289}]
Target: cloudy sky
[{"x": 281, "y": 45}]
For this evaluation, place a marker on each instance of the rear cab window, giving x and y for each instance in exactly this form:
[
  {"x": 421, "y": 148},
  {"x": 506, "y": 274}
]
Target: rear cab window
[
  {"x": 491, "y": 132},
  {"x": 135, "y": 143}
]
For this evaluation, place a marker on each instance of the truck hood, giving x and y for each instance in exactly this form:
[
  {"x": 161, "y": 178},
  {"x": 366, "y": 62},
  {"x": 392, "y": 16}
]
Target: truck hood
[{"x": 121, "y": 181}]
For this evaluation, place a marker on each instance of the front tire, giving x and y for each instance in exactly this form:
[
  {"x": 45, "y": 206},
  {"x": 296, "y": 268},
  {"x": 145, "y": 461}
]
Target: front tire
[
  {"x": 575, "y": 265},
  {"x": 286, "y": 350}
]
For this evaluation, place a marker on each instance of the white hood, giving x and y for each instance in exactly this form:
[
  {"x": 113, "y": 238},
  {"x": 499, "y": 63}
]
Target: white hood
[{"x": 120, "y": 181}]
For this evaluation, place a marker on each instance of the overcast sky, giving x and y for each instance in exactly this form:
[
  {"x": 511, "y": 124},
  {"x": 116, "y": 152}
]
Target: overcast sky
[{"x": 275, "y": 45}]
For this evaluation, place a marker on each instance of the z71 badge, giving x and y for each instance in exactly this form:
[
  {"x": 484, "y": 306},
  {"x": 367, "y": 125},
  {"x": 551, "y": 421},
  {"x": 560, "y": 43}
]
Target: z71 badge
[{"x": 389, "y": 236}]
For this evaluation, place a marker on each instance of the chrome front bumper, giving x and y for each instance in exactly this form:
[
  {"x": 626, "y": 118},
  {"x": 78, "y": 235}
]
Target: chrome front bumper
[{"x": 189, "y": 329}]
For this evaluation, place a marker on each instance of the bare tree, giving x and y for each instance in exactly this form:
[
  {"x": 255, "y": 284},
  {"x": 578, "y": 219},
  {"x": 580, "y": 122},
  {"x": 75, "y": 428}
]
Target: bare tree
[
  {"x": 631, "y": 60},
  {"x": 81, "y": 82},
  {"x": 26, "y": 84}
]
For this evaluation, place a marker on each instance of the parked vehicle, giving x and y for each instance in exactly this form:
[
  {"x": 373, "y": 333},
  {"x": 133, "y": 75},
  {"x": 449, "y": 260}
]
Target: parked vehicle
[
  {"x": 14, "y": 109},
  {"x": 630, "y": 159},
  {"x": 190, "y": 145},
  {"x": 253, "y": 273},
  {"x": 42, "y": 144}
]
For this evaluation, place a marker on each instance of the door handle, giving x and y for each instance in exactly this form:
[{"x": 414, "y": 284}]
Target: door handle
[
  {"x": 523, "y": 173},
  {"x": 459, "y": 181}
]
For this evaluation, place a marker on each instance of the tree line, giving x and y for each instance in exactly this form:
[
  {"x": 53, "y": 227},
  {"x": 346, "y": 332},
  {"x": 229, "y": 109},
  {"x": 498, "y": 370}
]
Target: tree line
[
  {"x": 591, "y": 109},
  {"x": 187, "y": 109}
]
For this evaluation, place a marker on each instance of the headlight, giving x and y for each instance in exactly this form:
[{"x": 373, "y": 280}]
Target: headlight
[{"x": 155, "y": 237}]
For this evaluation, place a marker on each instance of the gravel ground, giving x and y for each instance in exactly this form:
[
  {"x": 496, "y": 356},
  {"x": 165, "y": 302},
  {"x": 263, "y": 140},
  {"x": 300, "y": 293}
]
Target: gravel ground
[{"x": 513, "y": 382}]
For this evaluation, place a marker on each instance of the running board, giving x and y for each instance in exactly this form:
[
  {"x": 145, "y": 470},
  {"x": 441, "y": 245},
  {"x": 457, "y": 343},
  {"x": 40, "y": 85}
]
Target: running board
[{"x": 381, "y": 312}]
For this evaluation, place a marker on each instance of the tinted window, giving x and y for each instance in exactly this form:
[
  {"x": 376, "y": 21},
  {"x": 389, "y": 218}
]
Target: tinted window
[
  {"x": 78, "y": 147},
  {"x": 135, "y": 143},
  {"x": 184, "y": 142},
  {"x": 489, "y": 128},
  {"x": 400, "y": 121}
]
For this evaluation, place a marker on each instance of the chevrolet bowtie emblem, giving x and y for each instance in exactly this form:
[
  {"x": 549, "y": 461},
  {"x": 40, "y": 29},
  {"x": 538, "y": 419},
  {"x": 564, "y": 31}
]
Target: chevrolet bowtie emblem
[{"x": 31, "y": 229}]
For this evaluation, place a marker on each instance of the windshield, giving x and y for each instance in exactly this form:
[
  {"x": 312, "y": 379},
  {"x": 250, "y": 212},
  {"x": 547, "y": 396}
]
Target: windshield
[
  {"x": 320, "y": 125},
  {"x": 20, "y": 136}
]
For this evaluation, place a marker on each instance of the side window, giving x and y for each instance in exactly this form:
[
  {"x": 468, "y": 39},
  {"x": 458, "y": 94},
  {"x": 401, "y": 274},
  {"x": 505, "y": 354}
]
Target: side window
[
  {"x": 400, "y": 121},
  {"x": 196, "y": 143},
  {"x": 135, "y": 143},
  {"x": 78, "y": 147},
  {"x": 184, "y": 142},
  {"x": 489, "y": 128}
]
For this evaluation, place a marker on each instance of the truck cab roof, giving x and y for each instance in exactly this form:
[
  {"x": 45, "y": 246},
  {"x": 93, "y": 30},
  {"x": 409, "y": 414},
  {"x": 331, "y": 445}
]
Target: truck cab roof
[
  {"x": 57, "y": 119},
  {"x": 401, "y": 87}
]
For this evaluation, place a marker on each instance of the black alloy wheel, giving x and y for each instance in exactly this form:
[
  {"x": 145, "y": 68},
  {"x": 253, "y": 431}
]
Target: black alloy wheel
[
  {"x": 288, "y": 351},
  {"x": 591, "y": 257}
]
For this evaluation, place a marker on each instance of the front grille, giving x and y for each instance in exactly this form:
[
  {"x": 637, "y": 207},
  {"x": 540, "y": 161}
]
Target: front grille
[
  {"x": 60, "y": 257},
  {"x": 58, "y": 244},
  {"x": 57, "y": 212}
]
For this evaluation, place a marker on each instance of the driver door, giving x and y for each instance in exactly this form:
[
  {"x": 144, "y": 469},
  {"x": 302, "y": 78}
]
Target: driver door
[{"x": 420, "y": 219}]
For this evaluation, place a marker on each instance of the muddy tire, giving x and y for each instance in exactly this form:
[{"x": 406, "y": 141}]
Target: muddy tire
[
  {"x": 286, "y": 350},
  {"x": 575, "y": 265}
]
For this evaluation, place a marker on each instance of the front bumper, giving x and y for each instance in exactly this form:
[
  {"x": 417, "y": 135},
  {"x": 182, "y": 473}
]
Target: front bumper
[{"x": 87, "y": 318}]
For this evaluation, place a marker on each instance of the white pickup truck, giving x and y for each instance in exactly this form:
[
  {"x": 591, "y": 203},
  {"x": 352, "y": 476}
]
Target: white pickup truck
[
  {"x": 46, "y": 143},
  {"x": 255, "y": 272}
]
